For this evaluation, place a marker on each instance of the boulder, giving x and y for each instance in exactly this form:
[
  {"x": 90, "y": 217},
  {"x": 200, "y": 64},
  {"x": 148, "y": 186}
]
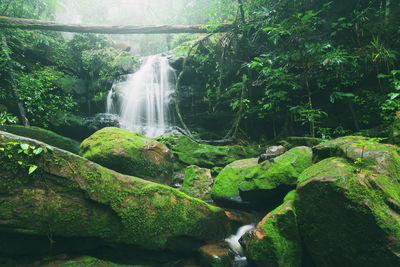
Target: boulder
[
  {"x": 225, "y": 191},
  {"x": 291, "y": 142},
  {"x": 48, "y": 192},
  {"x": 198, "y": 183},
  {"x": 276, "y": 240},
  {"x": 271, "y": 152},
  {"x": 267, "y": 183},
  {"x": 129, "y": 153},
  {"x": 216, "y": 255},
  {"x": 43, "y": 135},
  {"x": 349, "y": 214},
  {"x": 188, "y": 152}
]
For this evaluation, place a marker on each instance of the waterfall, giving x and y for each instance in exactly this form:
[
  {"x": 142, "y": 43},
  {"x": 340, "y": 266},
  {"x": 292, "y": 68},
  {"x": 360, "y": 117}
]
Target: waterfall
[{"x": 144, "y": 98}]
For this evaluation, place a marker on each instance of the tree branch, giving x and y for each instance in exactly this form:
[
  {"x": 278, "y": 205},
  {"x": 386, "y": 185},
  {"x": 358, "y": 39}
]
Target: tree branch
[{"x": 7, "y": 22}]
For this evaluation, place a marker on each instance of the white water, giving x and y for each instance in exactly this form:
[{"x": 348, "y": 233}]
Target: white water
[
  {"x": 144, "y": 98},
  {"x": 233, "y": 240}
]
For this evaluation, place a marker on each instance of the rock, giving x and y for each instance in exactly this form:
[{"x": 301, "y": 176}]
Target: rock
[
  {"x": 188, "y": 152},
  {"x": 366, "y": 151},
  {"x": 84, "y": 261},
  {"x": 272, "y": 152},
  {"x": 225, "y": 191},
  {"x": 267, "y": 183},
  {"x": 291, "y": 142},
  {"x": 348, "y": 215},
  {"x": 69, "y": 196},
  {"x": 43, "y": 135},
  {"x": 216, "y": 255},
  {"x": 198, "y": 183},
  {"x": 129, "y": 153},
  {"x": 276, "y": 240}
]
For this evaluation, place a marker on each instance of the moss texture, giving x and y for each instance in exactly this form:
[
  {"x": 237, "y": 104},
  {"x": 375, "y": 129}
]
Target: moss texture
[
  {"x": 347, "y": 215},
  {"x": 129, "y": 153},
  {"x": 227, "y": 183},
  {"x": 188, "y": 152},
  {"x": 73, "y": 197},
  {"x": 276, "y": 240},
  {"x": 43, "y": 135},
  {"x": 284, "y": 169},
  {"x": 198, "y": 183},
  {"x": 87, "y": 261}
]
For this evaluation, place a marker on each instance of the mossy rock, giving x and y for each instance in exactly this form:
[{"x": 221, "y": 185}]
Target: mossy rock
[
  {"x": 276, "y": 240},
  {"x": 198, "y": 183},
  {"x": 43, "y": 135},
  {"x": 349, "y": 215},
  {"x": 270, "y": 181},
  {"x": 70, "y": 196},
  {"x": 291, "y": 142},
  {"x": 225, "y": 191},
  {"x": 85, "y": 261},
  {"x": 188, "y": 152},
  {"x": 129, "y": 153}
]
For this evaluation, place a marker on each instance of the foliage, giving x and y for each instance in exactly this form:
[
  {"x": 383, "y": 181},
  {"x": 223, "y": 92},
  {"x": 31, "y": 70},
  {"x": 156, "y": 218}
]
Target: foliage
[
  {"x": 44, "y": 96},
  {"x": 7, "y": 118}
]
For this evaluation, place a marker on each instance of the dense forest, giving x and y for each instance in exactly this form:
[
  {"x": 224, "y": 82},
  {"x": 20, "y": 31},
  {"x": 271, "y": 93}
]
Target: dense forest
[{"x": 275, "y": 120}]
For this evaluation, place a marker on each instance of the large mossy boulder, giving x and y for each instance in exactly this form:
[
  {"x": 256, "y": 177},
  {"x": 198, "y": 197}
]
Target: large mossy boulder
[
  {"x": 276, "y": 240},
  {"x": 129, "y": 153},
  {"x": 188, "y": 152},
  {"x": 225, "y": 190},
  {"x": 268, "y": 182},
  {"x": 198, "y": 183},
  {"x": 53, "y": 193},
  {"x": 349, "y": 214},
  {"x": 43, "y": 135}
]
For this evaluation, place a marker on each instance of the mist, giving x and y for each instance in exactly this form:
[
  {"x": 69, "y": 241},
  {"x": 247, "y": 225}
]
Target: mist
[{"x": 136, "y": 12}]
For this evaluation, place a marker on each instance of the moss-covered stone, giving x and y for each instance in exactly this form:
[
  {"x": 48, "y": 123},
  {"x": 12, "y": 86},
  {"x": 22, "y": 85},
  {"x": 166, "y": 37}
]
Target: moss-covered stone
[
  {"x": 291, "y": 142},
  {"x": 70, "y": 196},
  {"x": 225, "y": 190},
  {"x": 198, "y": 183},
  {"x": 85, "y": 261},
  {"x": 347, "y": 215},
  {"x": 270, "y": 181},
  {"x": 43, "y": 135},
  {"x": 129, "y": 153},
  {"x": 276, "y": 240},
  {"x": 188, "y": 152}
]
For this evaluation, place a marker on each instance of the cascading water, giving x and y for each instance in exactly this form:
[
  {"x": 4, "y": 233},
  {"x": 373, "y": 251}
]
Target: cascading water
[{"x": 144, "y": 98}]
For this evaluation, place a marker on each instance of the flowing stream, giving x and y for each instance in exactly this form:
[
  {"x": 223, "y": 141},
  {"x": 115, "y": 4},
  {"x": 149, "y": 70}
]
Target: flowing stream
[
  {"x": 143, "y": 100},
  {"x": 233, "y": 242}
]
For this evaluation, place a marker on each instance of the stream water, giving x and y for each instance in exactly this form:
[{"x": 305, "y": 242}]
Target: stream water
[
  {"x": 233, "y": 242},
  {"x": 143, "y": 100}
]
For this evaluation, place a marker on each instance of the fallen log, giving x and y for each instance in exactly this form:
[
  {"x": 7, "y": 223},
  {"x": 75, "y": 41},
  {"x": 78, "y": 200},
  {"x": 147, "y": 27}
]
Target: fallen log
[{"x": 29, "y": 24}]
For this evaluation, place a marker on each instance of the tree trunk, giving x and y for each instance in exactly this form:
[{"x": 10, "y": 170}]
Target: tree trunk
[{"x": 7, "y": 22}]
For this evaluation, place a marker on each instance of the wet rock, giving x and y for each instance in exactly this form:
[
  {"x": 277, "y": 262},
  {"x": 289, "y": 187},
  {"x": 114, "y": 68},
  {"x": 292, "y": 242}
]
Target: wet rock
[
  {"x": 69, "y": 196},
  {"x": 276, "y": 240},
  {"x": 216, "y": 255},
  {"x": 225, "y": 191},
  {"x": 272, "y": 152},
  {"x": 129, "y": 153},
  {"x": 267, "y": 183},
  {"x": 198, "y": 183},
  {"x": 348, "y": 214},
  {"x": 43, "y": 135}
]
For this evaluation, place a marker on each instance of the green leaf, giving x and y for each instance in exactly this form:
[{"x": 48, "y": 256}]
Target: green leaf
[
  {"x": 50, "y": 148},
  {"x": 38, "y": 151},
  {"x": 25, "y": 147},
  {"x": 32, "y": 169}
]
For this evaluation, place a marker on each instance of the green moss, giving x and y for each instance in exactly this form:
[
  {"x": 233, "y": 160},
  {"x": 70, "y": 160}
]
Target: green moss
[
  {"x": 227, "y": 183},
  {"x": 284, "y": 169},
  {"x": 43, "y": 135},
  {"x": 188, "y": 152},
  {"x": 276, "y": 241},
  {"x": 76, "y": 197},
  {"x": 343, "y": 210},
  {"x": 87, "y": 261},
  {"x": 129, "y": 153},
  {"x": 198, "y": 182}
]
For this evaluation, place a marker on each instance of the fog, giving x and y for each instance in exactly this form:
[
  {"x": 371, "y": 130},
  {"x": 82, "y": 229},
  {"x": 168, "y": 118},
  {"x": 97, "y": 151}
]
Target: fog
[{"x": 136, "y": 12}]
